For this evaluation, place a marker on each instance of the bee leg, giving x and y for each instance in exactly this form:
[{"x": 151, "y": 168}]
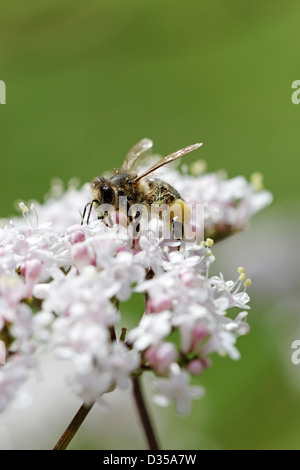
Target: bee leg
[
  {"x": 90, "y": 210},
  {"x": 84, "y": 212},
  {"x": 83, "y": 215},
  {"x": 102, "y": 218},
  {"x": 106, "y": 219}
]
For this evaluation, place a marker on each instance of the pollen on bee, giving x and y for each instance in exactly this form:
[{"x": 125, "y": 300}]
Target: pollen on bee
[{"x": 184, "y": 213}]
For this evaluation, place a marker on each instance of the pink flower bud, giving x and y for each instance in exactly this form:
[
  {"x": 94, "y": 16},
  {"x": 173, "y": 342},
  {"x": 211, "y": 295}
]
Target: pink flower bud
[
  {"x": 77, "y": 236},
  {"x": 159, "y": 303},
  {"x": 151, "y": 354},
  {"x": 31, "y": 271},
  {"x": 161, "y": 357},
  {"x": 200, "y": 332},
  {"x": 188, "y": 278},
  {"x": 82, "y": 256},
  {"x": 195, "y": 367}
]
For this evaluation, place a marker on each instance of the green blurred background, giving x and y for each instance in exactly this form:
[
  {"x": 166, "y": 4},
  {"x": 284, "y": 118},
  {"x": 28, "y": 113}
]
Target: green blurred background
[{"x": 87, "y": 79}]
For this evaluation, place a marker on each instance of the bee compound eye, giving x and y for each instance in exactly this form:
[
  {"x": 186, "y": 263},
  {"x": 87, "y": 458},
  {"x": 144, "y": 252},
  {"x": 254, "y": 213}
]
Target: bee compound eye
[{"x": 108, "y": 194}]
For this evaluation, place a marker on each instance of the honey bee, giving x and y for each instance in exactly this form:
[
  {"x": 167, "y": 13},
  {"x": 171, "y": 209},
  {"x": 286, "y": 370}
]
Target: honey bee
[{"x": 135, "y": 183}]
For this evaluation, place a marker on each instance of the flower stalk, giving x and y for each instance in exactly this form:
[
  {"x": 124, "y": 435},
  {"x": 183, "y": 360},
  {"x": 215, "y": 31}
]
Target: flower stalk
[
  {"x": 73, "y": 427},
  {"x": 144, "y": 416}
]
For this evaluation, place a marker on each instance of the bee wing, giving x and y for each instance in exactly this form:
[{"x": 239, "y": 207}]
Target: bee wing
[
  {"x": 168, "y": 159},
  {"x": 134, "y": 153}
]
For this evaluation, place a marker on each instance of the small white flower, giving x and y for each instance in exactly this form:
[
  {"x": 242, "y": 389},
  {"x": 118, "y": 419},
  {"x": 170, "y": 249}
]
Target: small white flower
[
  {"x": 91, "y": 386},
  {"x": 12, "y": 377},
  {"x": 151, "y": 330},
  {"x": 120, "y": 363},
  {"x": 222, "y": 342},
  {"x": 176, "y": 388}
]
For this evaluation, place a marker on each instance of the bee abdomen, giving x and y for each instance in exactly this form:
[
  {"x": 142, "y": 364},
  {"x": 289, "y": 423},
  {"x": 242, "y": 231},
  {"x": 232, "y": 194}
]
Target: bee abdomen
[{"x": 161, "y": 193}]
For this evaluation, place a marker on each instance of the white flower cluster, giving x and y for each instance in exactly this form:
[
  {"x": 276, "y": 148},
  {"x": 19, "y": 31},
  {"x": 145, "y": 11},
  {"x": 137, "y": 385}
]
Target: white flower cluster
[
  {"x": 61, "y": 283},
  {"x": 229, "y": 203}
]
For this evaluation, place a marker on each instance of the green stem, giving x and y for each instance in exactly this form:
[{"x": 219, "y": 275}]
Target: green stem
[
  {"x": 144, "y": 416},
  {"x": 73, "y": 427},
  {"x": 123, "y": 335}
]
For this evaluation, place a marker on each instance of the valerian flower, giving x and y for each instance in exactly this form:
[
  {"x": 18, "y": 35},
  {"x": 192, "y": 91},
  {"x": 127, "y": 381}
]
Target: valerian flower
[
  {"x": 176, "y": 388},
  {"x": 61, "y": 284}
]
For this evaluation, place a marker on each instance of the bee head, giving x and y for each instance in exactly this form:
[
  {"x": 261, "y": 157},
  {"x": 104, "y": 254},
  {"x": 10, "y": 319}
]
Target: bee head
[{"x": 102, "y": 191}]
